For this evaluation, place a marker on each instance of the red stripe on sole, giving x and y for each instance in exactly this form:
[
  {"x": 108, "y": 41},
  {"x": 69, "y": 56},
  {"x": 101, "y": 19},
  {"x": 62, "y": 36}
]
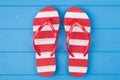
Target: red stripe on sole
[
  {"x": 45, "y": 61},
  {"x": 77, "y": 49},
  {"x": 46, "y": 47},
  {"x": 46, "y": 73},
  {"x": 85, "y": 22},
  {"x": 78, "y": 62},
  {"x": 45, "y": 34},
  {"x": 77, "y": 74},
  {"x": 39, "y": 21},
  {"x": 79, "y": 35}
]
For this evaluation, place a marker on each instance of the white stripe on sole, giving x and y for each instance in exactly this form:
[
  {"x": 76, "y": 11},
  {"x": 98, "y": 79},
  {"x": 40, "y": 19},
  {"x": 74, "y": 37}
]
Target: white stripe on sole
[
  {"x": 77, "y": 69},
  {"x": 44, "y": 41},
  {"x": 44, "y": 55},
  {"x": 77, "y": 28},
  {"x": 78, "y": 56},
  {"x": 46, "y": 28},
  {"x": 78, "y": 42},
  {"x": 76, "y": 15},
  {"x": 46, "y": 68},
  {"x": 47, "y": 14}
]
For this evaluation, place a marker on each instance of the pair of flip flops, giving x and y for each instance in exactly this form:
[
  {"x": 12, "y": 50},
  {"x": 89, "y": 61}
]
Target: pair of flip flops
[{"x": 45, "y": 28}]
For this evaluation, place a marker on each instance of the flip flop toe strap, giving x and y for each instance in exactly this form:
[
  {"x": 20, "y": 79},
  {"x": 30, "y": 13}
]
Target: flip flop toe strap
[
  {"x": 74, "y": 23},
  {"x": 36, "y": 34}
]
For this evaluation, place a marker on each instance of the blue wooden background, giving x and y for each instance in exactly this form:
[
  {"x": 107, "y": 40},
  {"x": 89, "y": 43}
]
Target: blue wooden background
[{"x": 17, "y": 56}]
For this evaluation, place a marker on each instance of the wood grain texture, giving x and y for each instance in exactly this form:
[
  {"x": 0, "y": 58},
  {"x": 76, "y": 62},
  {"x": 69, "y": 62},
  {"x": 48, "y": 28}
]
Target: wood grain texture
[
  {"x": 33, "y": 77},
  {"x": 59, "y": 2},
  {"x": 17, "y": 56},
  {"x": 22, "y": 17},
  {"x": 24, "y": 63},
  {"x": 21, "y": 40}
]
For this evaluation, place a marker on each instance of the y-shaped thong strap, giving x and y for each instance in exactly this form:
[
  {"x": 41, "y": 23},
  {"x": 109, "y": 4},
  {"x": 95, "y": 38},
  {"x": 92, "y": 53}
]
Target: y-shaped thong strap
[
  {"x": 74, "y": 23},
  {"x": 54, "y": 34}
]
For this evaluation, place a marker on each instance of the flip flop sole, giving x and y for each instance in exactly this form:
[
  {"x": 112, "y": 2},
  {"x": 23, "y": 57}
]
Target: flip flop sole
[
  {"x": 46, "y": 64},
  {"x": 78, "y": 41}
]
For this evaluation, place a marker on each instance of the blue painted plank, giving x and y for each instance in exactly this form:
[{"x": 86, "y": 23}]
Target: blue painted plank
[
  {"x": 24, "y": 63},
  {"x": 21, "y": 40},
  {"x": 59, "y": 2},
  {"x": 17, "y": 57},
  {"x": 64, "y": 77},
  {"x": 22, "y": 17}
]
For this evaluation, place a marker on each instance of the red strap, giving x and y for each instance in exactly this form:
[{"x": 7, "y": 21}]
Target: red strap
[
  {"x": 74, "y": 23},
  {"x": 37, "y": 34}
]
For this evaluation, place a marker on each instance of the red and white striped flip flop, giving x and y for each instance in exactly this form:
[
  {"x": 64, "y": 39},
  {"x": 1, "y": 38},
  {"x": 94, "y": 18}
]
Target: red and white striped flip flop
[
  {"x": 45, "y": 28},
  {"x": 77, "y": 27}
]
